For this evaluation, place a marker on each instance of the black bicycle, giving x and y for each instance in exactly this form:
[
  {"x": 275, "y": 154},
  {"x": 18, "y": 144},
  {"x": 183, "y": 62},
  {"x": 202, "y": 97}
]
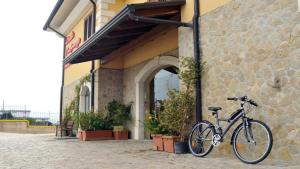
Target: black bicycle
[{"x": 251, "y": 141}]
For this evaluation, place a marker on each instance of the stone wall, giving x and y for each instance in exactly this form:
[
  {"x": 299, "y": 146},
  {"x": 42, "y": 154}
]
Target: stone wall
[
  {"x": 103, "y": 13},
  {"x": 252, "y": 47},
  {"x": 110, "y": 86},
  {"x": 136, "y": 81},
  {"x": 129, "y": 91}
]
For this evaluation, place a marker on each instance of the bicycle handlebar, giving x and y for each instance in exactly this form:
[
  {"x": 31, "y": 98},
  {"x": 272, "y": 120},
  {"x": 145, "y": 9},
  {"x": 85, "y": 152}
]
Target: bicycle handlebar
[
  {"x": 243, "y": 98},
  {"x": 253, "y": 103}
]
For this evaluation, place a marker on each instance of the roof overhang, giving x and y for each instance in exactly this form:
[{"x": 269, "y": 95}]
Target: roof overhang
[
  {"x": 131, "y": 22},
  {"x": 66, "y": 14}
]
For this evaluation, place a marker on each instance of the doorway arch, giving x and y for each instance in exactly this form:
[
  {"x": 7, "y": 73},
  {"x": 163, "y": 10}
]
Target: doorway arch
[{"x": 159, "y": 62}]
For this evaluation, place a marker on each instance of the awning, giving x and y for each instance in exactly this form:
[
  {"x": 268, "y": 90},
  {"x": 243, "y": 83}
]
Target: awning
[{"x": 130, "y": 23}]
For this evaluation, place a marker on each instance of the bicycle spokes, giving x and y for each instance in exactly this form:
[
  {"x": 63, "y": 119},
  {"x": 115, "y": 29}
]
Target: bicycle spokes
[
  {"x": 200, "y": 140},
  {"x": 253, "y": 144}
]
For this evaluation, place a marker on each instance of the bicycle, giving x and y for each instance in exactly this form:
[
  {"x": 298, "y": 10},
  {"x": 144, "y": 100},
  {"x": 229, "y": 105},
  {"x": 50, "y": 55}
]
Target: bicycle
[{"x": 251, "y": 140}]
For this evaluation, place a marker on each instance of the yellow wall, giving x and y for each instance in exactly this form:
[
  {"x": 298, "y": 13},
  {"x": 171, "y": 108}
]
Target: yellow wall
[
  {"x": 187, "y": 11},
  {"x": 134, "y": 1},
  {"x": 166, "y": 42},
  {"x": 146, "y": 51},
  {"x": 117, "y": 6},
  {"x": 76, "y": 71}
]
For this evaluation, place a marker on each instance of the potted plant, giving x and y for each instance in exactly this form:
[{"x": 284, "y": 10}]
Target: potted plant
[
  {"x": 176, "y": 118},
  {"x": 120, "y": 133},
  {"x": 93, "y": 126},
  {"x": 152, "y": 125},
  {"x": 118, "y": 115},
  {"x": 178, "y": 108}
]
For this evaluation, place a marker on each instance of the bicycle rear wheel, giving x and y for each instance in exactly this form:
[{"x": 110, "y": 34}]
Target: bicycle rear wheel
[
  {"x": 252, "y": 144},
  {"x": 200, "y": 139}
]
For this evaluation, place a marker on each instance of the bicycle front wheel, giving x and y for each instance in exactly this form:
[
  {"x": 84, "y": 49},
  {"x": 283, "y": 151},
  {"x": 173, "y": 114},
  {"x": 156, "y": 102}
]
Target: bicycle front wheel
[
  {"x": 253, "y": 143},
  {"x": 200, "y": 139}
]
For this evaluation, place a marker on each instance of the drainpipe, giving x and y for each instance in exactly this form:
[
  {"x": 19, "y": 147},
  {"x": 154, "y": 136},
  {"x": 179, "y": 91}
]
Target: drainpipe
[
  {"x": 197, "y": 56},
  {"x": 93, "y": 62},
  {"x": 62, "y": 80}
]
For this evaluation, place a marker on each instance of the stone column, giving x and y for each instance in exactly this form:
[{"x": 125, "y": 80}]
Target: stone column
[
  {"x": 110, "y": 86},
  {"x": 103, "y": 13},
  {"x": 139, "y": 109}
]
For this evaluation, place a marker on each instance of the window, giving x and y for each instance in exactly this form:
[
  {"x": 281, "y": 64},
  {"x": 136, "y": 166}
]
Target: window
[{"x": 88, "y": 27}]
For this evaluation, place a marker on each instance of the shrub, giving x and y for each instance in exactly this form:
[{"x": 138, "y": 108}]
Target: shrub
[
  {"x": 179, "y": 106},
  {"x": 153, "y": 125},
  {"x": 118, "y": 113},
  {"x": 177, "y": 114},
  {"x": 93, "y": 121}
]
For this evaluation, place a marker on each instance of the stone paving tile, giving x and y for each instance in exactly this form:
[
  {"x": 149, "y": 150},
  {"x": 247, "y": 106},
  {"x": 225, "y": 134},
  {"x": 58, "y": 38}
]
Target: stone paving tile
[{"x": 28, "y": 151}]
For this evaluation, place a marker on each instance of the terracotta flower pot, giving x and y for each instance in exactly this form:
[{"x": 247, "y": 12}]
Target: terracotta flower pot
[
  {"x": 169, "y": 142},
  {"x": 121, "y": 135},
  {"x": 79, "y": 135},
  {"x": 97, "y": 135},
  {"x": 157, "y": 142}
]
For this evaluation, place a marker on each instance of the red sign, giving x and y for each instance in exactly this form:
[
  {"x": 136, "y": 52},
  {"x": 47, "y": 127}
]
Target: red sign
[
  {"x": 70, "y": 38},
  {"x": 72, "y": 43}
]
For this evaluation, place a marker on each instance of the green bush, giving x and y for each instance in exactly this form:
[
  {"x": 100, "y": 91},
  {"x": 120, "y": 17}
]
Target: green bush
[
  {"x": 177, "y": 114},
  {"x": 93, "y": 121},
  {"x": 179, "y": 106},
  {"x": 153, "y": 125},
  {"x": 118, "y": 113}
]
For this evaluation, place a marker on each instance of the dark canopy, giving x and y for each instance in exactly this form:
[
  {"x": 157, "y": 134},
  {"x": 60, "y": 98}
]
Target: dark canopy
[{"x": 130, "y": 23}]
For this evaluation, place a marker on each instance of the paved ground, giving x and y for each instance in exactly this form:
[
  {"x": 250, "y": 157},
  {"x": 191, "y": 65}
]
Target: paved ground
[{"x": 28, "y": 151}]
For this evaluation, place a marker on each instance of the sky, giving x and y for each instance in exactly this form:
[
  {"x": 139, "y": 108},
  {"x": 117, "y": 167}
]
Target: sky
[{"x": 30, "y": 58}]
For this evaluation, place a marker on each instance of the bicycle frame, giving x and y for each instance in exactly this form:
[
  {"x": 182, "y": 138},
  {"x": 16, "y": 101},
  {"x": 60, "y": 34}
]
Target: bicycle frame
[
  {"x": 241, "y": 115},
  {"x": 231, "y": 123}
]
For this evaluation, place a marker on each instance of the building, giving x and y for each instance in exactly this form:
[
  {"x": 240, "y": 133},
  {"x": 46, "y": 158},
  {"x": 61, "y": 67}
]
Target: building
[{"x": 251, "y": 47}]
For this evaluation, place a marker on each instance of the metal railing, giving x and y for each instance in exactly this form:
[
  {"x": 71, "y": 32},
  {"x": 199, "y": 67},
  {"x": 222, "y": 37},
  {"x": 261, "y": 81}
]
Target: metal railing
[{"x": 34, "y": 118}]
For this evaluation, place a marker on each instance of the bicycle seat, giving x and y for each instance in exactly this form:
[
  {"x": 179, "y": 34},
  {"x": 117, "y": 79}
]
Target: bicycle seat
[{"x": 214, "y": 108}]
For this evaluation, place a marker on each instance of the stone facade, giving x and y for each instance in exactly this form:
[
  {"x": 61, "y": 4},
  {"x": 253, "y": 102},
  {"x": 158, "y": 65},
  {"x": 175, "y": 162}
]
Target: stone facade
[
  {"x": 103, "y": 13},
  {"x": 129, "y": 91},
  {"x": 135, "y": 87},
  {"x": 110, "y": 86},
  {"x": 252, "y": 47}
]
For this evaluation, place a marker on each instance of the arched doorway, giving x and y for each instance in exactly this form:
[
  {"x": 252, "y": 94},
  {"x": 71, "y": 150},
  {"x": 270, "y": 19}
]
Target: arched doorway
[{"x": 152, "y": 67}]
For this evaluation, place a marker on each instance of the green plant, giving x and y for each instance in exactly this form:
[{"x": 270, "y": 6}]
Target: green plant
[
  {"x": 93, "y": 121},
  {"x": 118, "y": 128},
  {"x": 189, "y": 71},
  {"x": 153, "y": 125},
  {"x": 177, "y": 114},
  {"x": 179, "y": 105},
  {"x": 67, "y": 115},
  {"x": 71, "y": 112},
  {"x": 118, "y": 113}
]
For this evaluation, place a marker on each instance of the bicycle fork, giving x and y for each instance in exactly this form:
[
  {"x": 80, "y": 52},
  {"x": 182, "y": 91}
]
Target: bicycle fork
[{"x": 248, "y": 131}]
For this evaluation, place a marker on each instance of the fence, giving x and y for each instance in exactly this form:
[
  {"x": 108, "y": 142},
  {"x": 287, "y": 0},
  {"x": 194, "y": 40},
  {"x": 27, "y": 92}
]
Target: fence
[{"x": 34, "y": 118}]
